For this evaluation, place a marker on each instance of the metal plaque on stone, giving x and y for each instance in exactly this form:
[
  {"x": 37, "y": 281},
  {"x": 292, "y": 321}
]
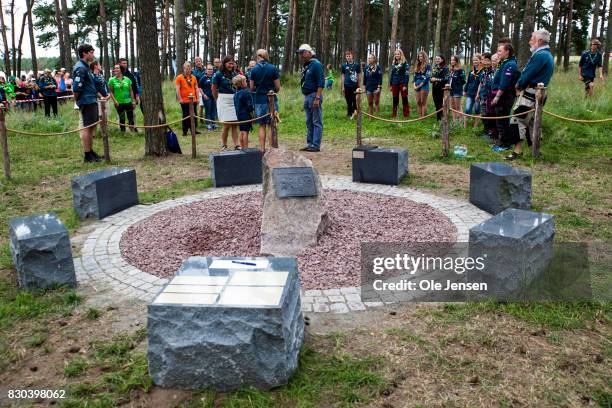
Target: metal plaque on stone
[{"x": 294, "y": 182}]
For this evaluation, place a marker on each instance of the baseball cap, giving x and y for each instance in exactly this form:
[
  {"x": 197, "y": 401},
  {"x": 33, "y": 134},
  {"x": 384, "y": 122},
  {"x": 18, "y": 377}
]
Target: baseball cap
[{"x": 304, "y": 47}]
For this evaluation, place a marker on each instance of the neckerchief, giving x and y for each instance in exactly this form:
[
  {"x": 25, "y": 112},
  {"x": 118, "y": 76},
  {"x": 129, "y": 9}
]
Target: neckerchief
[
  {"x": 592, "y": 57},
  {"x": 397, "y": 66}
]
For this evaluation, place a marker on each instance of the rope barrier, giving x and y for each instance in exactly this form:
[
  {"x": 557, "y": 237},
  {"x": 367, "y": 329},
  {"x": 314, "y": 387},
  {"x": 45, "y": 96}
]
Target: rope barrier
[
  {"x": 577, "y": 120},
  {"x": 491, "y": 117},
  {"x": 21, "y": 132},
  {"x": 232, "y": 122},
  {"x": 144, "y": 126},
  {"x": 401, "y": 121}
]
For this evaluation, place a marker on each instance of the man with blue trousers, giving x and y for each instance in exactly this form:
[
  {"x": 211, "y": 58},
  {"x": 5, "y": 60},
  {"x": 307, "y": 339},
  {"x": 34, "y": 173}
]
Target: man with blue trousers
[{"x": 312, "y": 82}]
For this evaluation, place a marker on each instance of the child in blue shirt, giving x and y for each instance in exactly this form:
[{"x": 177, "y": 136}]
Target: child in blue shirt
[{"x": 243, "y": 101}]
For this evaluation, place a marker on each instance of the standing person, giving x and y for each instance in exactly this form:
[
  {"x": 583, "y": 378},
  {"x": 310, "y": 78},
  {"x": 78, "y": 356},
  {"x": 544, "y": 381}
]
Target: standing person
[
  {"x": 484, "y": 90},
  {"x": 312, "y": 83},
  {"x": 249, "y": 69},
  {"x": 123, "y": 97},
  {"x": 264, "y": 78},
  {"x": 373, "y": 79},
  {"x": 223, "y": 92},
  {"x": 101, "y": 85},
  {"x": 398, "y": 82},
  {"x": 216, "y": 65},
  {"x": 186, "y": 86},
  {"x": 349, "y": 82},
  {"x": 243, "y": 101},
  {"x": 422, "y": 76},
  {"x": 210, "y": 106},
  {"x": 85, "y": 95},
  {"x": 123, "y": 62},
  {"x": 590, "y": 60},
  {"x": 539, "y": 69},
  {"x": 439, "y": 79},
  {"x": 329, "y": 79},
  {"x": 198, "y": 71},
  {"x": 470, "y": 91},
  {"x": 47, "y": 86},
  {"x": 457, "y": 81},
  {"x": 506, "y": 75},
  {"x": 68, "y": 83}
]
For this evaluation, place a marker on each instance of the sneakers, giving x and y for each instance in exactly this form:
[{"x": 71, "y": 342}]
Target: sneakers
[
  {"x": 223, "y": 148},
  {"x": 237, "y": 147},
  {"x": 498, "y": 149},
  {"x": 513, "y": 156}
]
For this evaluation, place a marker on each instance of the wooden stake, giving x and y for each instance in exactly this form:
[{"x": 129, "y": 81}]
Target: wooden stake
[
  {"x": 359, "y": 117},
  {"x": 193, "y": 127},
  {"x": 537, "y": 121},
  {"x": 104, "y": 129},
  {"x": 273, "y": 124},
  {"x": 445, "y": 119},
  {"x": 4, "y": 142}
]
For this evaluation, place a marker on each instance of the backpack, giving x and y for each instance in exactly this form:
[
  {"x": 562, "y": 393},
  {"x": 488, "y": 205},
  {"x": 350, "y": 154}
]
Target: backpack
[{"x": 172, "y": 143}]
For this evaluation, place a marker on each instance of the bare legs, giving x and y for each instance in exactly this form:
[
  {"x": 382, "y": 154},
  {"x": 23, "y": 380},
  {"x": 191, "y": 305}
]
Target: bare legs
[
  {"x": 421, "y": 100},
  {"x": 225, "y": 131}
]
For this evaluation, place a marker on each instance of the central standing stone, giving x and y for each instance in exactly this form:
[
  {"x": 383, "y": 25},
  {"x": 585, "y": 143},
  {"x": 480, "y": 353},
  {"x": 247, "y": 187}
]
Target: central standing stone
[{"x": 293, "y": 216}]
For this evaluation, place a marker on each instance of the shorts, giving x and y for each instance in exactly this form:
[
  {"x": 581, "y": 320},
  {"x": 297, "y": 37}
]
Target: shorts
[
  {"x": 89, "y": 114},
  {"x": 373, "y": 92},
  {"x": 587, "y": 82},
  {"x": 245, "y": 127},
  {"x": 457, "y": 95},
  {"x": 261, "y": 109}
]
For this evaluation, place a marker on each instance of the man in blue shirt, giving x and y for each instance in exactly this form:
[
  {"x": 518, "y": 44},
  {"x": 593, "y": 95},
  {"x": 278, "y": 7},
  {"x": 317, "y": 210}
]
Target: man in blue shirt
[
  {"x": 86, "y": 98},
  {"x": 504, "y": 82},
  {"x": 312, "y": 84},
  {"x": 47, "y": 86},
  {"x": 539, "y": 70},
  {"x": 263, "y": 78},
  {"x": 589, "y": 62}
]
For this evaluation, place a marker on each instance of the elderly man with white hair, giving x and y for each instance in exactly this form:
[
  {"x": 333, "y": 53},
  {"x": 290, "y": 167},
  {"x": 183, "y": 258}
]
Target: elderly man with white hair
[{"x": 539, "y": 69}]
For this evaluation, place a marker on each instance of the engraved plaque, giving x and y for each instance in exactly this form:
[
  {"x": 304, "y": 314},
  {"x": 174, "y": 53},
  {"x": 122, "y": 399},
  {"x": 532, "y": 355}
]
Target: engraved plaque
[
  {"x": 294, "y": 182},
  {"x": 358, "y": 154}
]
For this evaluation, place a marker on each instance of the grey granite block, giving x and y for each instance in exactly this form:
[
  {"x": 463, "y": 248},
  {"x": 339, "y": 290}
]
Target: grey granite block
[
  {"x": 516, "y": 245},
  {"x": 378, "y": 165},
  {"x": 497, "y": 186},
  {"x": 104, "y": 192},
  {"x": 41, "y": 252},
  {"x": 236, "y": 167},
  {"x": 225, "y": 327}
]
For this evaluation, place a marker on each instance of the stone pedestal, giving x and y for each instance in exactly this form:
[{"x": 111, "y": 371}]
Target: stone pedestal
[
  {"x": 235, "y": 167},
  {"x": 41, "y": 252},
  {"x": 372, "y": 164},
  {"x": 293, "y": 218},
  {"x": 104, "y": 192},
  {"x": 497, "y": 186},
  {"x": 226, "y": 328},
  {"x": 516, "y": 246}
]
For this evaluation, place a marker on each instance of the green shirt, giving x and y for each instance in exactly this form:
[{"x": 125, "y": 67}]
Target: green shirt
[{"x": 121, "y": 89}]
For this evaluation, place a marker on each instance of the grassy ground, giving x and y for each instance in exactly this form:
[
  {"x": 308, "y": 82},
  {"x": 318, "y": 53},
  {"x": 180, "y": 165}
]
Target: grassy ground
[{"x": 415, "y": 356}]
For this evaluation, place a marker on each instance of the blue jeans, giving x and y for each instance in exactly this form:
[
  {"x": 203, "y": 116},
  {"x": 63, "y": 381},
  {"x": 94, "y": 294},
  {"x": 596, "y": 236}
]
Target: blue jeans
[
  {"x": 210, "y": 111},
  {"x": 314, "y": 121},
  {"x": 471, "y": 102}
]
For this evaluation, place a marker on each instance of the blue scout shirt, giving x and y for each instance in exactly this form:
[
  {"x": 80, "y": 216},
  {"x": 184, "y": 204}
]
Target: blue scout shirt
[
  {"x": 45, "y": 81},
  {"x": 589, "y": 62},
  {"x": 84, "y": 84},
  {"x": 486, "y": 80},
  {"x": 350, "y": 72},
  {"x": 312, "y": 76},
  {"x": 506, "y": 75},
  {"x": 205, "y": 84},
  {"x": 373, "y": 77},
  {"x": 473, "y": 80},
  {"x": 243, "y": 102},
  {"x": 539, "y": 68},
  {"x": 457, "y": 80},
  {"x": 263, "y": 74},
  {"x": 101, "y": 84},
  {"x": 440, "y": 73},
  {"x": 422, "y": 77},
  {"x": 199, "y": 73},
  {"x": 399, "y": 73},
  {"x": 223, "y": 82}
]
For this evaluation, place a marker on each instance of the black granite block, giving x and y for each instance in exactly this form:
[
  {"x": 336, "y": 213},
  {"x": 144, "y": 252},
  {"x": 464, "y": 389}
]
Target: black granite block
[
  {"x": 105, "y": 192},
  {"x": 372, "y": 164},
  {"x": 495, "y": 187},
  {"x": 236, "y": 167}
]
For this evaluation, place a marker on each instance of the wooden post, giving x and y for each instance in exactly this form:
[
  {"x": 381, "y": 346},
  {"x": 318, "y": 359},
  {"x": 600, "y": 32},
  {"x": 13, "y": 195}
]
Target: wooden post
[
  {"x": 4, "y": 142},
  {"x": 193, "y": 128},
  {"x": 104, "y": 129},
  {"x": 359, "y": 117},
  {"x": 273, "y": 124},
  {"x": 537, "y": 120},
  {"x": 445, "y": 119}
]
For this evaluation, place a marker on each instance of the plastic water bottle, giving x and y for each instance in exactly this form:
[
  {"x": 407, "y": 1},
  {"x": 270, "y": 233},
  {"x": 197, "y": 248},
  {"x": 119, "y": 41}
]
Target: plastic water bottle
[{"x": 460, "y": 151}]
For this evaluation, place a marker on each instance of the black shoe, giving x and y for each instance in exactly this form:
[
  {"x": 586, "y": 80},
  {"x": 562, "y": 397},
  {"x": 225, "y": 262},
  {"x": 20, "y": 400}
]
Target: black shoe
[
  {"x": 305, "y": 149},
  {"x": 89, "y": 157},
  {"x": 237, "y": 147},
  {"x": 95, "y": 156},
  {"x": 312, "y": 149}
]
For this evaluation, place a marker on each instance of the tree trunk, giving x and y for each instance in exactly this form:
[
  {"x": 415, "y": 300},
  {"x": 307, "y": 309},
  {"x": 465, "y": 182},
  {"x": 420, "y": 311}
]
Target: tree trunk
[
  {"x": 608, "y": 42},
  {"x": 448, "y": 41},
  {"x": 358, "y": 6},
  {"x": 126, "y": 24},
  {"x": 179, "y": 33},
  {"x": 211, "y": 30},
  {"x": 430, "y": 7},
  {"x": 132, "y": 61},
  {"x": 438, "y": 27},
  {"x": 230, "y": 28},
  {"x": 384, "y": 41},
  {"x": 23, "y": 23},
  {"x": 288, "y": 48},
  {"x": 603, "y": 22},
  {"x": 497, "y": 24},
  {"x": 7, "y": 56},
  {"x": 326, "y": 7},
  {"x": 13, "y": 44},
  {"x": 568, "y": 36},
  {"x": 312, "y": 22},
  {"x": 152, "y": 97},
  {"x": 516, "y": 31},
  {"x": 553, "y": 26},
  {"x": 67, "y": 39},
  {"x": 417, "y": 28},
  {"x": 261, "y": 24},
  {"x": 118, "y": 38},
  {"x": 394, "y": 29},
  {"x": 528, "y": 27},
  {"x": 29, "y": 5},
  {"x": 595, "y": 19},
  {"x": 344, "y": 32},
  {"x": 294, "y": 34},
  {"x": 561, "y": 42},
  {"x": 105, "y": 60}
]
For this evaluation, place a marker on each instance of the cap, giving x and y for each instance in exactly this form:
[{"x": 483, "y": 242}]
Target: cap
[{"x": 304, "y": 47}]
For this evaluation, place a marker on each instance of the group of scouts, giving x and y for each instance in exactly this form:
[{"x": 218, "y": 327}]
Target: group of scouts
[
  {"x": 493, "y": 85},
  {"x": 228, "y": 95}
]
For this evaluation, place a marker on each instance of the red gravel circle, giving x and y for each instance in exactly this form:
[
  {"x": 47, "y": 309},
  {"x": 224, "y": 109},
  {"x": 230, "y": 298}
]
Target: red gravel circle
[{"x": 229, "y": 226}]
